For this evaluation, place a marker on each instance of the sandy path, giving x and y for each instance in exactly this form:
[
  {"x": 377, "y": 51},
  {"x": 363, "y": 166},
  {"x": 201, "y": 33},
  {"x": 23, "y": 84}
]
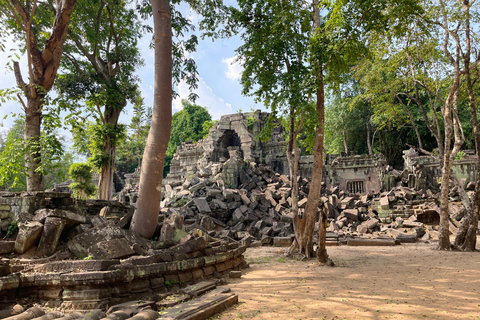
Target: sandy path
[{"x": 402, "y": 282}]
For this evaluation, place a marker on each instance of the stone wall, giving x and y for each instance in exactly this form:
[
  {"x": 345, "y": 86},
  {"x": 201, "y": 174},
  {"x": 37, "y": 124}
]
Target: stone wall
[
  {"x": 84, "y": 285},
  {"x": 427, "y": 170},
  {"x": 356, "y": 174}
]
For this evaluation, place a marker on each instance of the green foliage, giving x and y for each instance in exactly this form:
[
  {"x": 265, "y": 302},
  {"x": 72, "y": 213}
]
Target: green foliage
[
  {"x": 55, "y": 162},
  {"x": 189, "y": 123},
  {"x": 82, "y": 175},
  {"x": 130, "y": 151},
  {"x": 460, "y": 155},
  {"x": 12, "y": 228}
]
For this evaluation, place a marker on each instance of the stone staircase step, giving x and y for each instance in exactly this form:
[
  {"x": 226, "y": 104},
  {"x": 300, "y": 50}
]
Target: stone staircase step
[{"x": 202, "y": 308}]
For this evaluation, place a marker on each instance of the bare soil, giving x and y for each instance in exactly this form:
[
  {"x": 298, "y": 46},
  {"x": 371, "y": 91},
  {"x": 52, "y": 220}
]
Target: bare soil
[{"x": 409, "y": 281}]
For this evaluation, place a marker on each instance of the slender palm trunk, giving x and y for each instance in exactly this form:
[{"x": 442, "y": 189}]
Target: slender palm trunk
[{"x": 144, "y": 220}]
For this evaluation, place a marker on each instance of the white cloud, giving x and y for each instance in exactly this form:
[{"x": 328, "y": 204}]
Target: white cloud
[
  {"x": 234, "y": 66},
  {"x": 206, "y": 98}
]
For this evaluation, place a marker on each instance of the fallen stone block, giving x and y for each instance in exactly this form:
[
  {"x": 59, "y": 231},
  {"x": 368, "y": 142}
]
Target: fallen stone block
[
  {"x": 282, "y": 241},
  {"x": 71, "y": 218},
  {"x": 28, "y": 234},
  {"x": 351, "y": 214},
  {"x": 79, "y": 244},
  {"x": 370, "y": 242},
  {"x": 199, "y": 288},
  {"x": 6, "y": 247},
  {"x": 407, "y": 238},
  {"x": 203, "y": 307},
  {"x": 111, "y": 249},
  {"x": 52, "y": 231},
  {"x": 202, "y": 205}
]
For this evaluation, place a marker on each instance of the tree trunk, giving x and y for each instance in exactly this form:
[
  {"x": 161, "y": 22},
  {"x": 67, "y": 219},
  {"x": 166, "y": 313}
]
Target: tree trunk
[
  {"x": 444, "y": 231},
  {"x": 316, "y": 184},
  {"x": 311, "y": 208},
  {"x": 144, "y": 220},
  {"x": 300, "y": 242},
  {"x": 33, "y": 122},
  {"x": 345, "y": 147},
  {"x": 105, "y": 184},
  {"x": 466, "y": 238},
  {"x": 369, "y": 133},
  {"x": 42, "y": 66}
]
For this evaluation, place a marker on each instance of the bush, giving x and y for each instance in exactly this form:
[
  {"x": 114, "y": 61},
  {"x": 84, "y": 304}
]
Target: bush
[{"x": 82, "y": 186}]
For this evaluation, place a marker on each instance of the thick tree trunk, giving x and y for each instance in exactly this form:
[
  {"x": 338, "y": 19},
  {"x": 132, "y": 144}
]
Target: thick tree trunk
[
  {"x": 144, "y": 220},
  {"x": 105, "y": 184},
  {"x": 42, "y": 66},
  {"x": 33, "y": 122}
]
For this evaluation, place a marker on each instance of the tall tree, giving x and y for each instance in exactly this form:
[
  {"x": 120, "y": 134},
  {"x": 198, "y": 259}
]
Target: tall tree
[
  {"x": 101, "y": 57},
  {"x": 144, "y": 220},
  {"x": 167, "y": 20},
  {"x": 275, "y": 36},
  {"x": 42, "y": 27}
]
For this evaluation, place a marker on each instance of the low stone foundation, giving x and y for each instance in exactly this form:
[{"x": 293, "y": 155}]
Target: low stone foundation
[{"x": 83, "y": 285}]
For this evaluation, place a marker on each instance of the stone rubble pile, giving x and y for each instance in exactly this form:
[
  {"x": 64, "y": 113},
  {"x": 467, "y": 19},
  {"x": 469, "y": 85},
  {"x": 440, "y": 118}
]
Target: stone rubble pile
[{"x": 260, "y": 209}]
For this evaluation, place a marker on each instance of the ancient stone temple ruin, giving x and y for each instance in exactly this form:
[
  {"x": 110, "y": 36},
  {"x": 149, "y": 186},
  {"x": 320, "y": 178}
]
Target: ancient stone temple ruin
[
  {"x": 235, "y": 135},
  {"x": 232, "y": 144}
]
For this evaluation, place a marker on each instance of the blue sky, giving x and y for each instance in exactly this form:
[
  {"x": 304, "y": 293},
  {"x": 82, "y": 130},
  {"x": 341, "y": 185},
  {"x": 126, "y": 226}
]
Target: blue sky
[{"x": 219, "y": 89}]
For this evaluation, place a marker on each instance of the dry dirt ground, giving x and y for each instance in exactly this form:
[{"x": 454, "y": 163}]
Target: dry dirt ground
[{"x": 409, "y": 281}]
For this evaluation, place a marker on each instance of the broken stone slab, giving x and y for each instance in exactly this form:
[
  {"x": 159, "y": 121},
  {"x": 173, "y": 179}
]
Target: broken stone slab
[
  {"x": 351, "y": 214},
  {"x": 235, "y": 274},
  {"x": 371, "y": 223},
  {"x": 199, "y": 288},
  {"x": 111, "y": 249},
  {"x": 202, "y": 205},
  {"x": 411, "y": 224},
  {"x": 228, "y": 194},
  {"x": 384, "y": 203},
  {"x": 79, "y": 244},
  {"x": 198, "y": 186},
  {"x": 28, "y": 234},
  {"x": 6, "y": 247},
  {"x": 282, "y": 241},
  {"x": 52, "y": 231},
  {"x": 302, "y": 203},
  {"x": 203, "y": 307},
  {"x": 406, "y": 238},
  {"x": 370, "y": 242},
  {"x": 191, "y": 245},
  {"x": 71, "y": 218}
]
